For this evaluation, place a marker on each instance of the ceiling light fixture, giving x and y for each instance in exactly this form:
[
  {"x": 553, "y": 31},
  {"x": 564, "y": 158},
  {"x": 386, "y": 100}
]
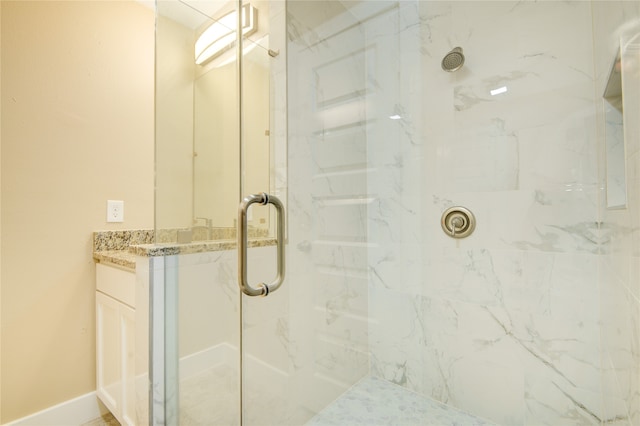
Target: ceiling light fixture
[{"x": 221, "y": 35}]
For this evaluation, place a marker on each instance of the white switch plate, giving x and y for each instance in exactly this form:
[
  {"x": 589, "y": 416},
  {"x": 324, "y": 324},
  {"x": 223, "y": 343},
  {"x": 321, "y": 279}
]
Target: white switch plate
[{"x": 115, "y": 211}]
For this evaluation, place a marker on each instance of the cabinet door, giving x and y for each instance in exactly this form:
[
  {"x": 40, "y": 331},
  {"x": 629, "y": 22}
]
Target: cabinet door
[
  {"x": 128, "y": 345},
  {"x": 109, "y": 374}
]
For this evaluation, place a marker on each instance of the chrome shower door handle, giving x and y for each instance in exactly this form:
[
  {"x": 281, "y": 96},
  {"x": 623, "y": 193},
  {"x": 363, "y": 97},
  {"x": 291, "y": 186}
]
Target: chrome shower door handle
[{"x": 262, "y": 289}]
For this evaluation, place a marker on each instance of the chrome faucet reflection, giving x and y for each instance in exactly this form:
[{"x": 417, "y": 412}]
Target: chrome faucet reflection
[{"x": 208, "y": 223}]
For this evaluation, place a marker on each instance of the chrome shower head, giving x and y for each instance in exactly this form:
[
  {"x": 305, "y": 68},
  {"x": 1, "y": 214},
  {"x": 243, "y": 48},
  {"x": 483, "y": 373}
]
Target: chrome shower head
[{"x": 453, "y": 60}]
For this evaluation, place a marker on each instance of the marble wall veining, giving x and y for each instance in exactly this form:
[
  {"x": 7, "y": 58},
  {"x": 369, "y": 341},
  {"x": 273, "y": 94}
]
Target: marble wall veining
[
  {"x": 615, "y": 25},
  {"x": 327, "y": 202},
  {"x": 517, "y": 305},
  {"x": 533, "y": 319}
]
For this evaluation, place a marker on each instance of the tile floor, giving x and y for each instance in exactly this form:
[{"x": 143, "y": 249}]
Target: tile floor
[
  {"x": 371, "y": 402},
  {"x": 106, "y": 420},
  {"x": 377, "y": 402}
]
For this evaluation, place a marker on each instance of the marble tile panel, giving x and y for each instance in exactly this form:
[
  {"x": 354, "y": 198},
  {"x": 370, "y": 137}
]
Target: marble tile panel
[
  {"x": 269, "y": 343},
  {"x": 341, "y": 295},
  {"x": 351, "y": 142},
  {"x": 631, "y": 104},
  {"x": 398, "y": 337},
  {"x": 473, "y": 276},
  {"x": 561, "y": 220},
  {"x": 631, "y": 224},
  {"x": 547, "y": 402},
  {"x": 396, "y": 266},
  {"x": 340, "y": 184},
  {"x": 468, "y": 346},
  {"x": 272, "y": 308},
  {"x": 615, "y": 175},
  {"x": 567, "y": 32},
  {"x": 341, "y": 220},
  {"x": 207, "y": 294},
  {"x": 481, "y": 158},
  {"x": 614, "y": 406},
  {"x": 339, "y": 257},
  {"x": 487, "y": 302},
  {"x": 557, "y": 155},
  {"x": 340, "y": 358}
]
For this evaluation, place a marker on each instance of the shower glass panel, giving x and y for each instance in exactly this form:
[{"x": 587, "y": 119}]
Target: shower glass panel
[
  {"x": 197, "y": 191},
  {"x": 342, "y": 110},
  {"x": 316, "y": 111},
  {"x": 350, "y": 169}
]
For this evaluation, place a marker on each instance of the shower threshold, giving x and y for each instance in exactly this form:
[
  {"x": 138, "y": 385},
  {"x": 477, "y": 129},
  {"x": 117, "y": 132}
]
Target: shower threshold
[{"x": 374, "y": 401}]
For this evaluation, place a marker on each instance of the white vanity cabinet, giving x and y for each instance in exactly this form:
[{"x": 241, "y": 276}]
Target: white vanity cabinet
[{"x": 115, "y": 341}]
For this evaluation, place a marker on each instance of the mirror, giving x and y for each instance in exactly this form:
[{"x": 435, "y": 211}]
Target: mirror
[
  {"x": 215, "y": 140},
  {"x": 198, "y": 128}
]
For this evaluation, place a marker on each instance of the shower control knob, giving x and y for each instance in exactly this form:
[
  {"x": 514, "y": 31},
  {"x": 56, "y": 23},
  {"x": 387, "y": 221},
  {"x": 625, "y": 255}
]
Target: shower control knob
[{"x": 458, "y": 222}]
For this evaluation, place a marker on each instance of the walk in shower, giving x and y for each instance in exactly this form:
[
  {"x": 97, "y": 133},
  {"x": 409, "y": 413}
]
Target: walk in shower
[{"x": 450, "y": 256}]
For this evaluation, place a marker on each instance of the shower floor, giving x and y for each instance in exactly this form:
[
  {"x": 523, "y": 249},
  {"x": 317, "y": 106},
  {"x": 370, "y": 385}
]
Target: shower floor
[
  {"x": 374, "y": 401},
  {"x": 209, "y": 399}
]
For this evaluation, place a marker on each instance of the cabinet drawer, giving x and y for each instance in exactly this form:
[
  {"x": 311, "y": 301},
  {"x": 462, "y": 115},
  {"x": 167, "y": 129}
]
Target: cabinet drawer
[{"x": 117, "y": 283}]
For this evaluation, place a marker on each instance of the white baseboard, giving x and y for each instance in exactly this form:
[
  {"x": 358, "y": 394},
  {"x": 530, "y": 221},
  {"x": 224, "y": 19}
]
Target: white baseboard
[
  {"x": 73, "y": 412},
  {"x": 82, "y": 409},
  {"x": 222, "y": 353},
  {"x": 225, "y": 354}
]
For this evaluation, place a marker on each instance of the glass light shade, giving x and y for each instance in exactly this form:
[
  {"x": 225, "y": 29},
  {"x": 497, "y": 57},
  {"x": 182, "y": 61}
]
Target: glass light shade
[{"x": 221, "y": 35}]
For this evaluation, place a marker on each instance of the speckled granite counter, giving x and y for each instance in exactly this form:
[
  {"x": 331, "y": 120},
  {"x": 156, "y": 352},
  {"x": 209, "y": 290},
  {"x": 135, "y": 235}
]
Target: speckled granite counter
[
  {"x": 120, "y": 248},
  {"x": 167, "y": 249},
  {"x": 114, "y": 246},
  {"x": 123, "y": 258}
]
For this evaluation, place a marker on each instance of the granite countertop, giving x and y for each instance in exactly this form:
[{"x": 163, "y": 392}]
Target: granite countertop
[
  {"x": 122, "y": 258},
  {"x": 114, "y": 246},
  {"x": 120, "y": 248}
]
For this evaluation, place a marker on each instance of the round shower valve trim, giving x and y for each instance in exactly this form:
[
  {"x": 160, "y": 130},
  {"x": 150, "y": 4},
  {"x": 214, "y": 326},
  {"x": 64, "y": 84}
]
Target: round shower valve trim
[{"x": 458, "y": 222}]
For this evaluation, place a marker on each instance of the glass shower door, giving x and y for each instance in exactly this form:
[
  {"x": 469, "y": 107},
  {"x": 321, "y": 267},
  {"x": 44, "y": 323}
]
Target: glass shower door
[
  {"x": 344, "y": 111},
  {"x": 264, "y": 319},
  {"x": 317, "y": 111},
  {"x": 217, "y": 141},
  {"x": 195, "y": 371},
  {"x": 345, "y": 162}
]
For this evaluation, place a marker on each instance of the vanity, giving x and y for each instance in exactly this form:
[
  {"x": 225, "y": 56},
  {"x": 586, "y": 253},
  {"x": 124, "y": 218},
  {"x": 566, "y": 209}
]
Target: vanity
[
  {"x": 116, "y": 320},
  {"x": 115, "y": 340},
  {"x": 133, "y": 303}
]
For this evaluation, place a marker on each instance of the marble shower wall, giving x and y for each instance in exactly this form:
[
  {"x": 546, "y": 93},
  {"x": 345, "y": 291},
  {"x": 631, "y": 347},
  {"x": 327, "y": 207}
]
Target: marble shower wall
[
  {"x": 514, "y": 307},
  {"x": 382, "y": 141},
  {"x": 328, "y": 203},
  {"x": 615, "y": 23}
]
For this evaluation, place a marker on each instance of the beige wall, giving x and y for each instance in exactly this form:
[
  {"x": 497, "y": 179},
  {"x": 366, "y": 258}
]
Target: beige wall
[
  {"x": 77, "y": 129},
  {"x": 174, "y": 126},
  {"x": 216, "y": 136}
]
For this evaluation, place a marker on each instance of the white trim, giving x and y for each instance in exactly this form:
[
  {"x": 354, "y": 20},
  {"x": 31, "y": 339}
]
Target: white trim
[
  {"x": 73, "y": 412},
  {"x": 222, "y": 353},
  {"x": 85, "y": 408}
]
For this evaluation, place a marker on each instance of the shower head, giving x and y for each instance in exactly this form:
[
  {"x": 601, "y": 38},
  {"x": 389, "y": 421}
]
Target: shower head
[{"x": 453, "y": 60}]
